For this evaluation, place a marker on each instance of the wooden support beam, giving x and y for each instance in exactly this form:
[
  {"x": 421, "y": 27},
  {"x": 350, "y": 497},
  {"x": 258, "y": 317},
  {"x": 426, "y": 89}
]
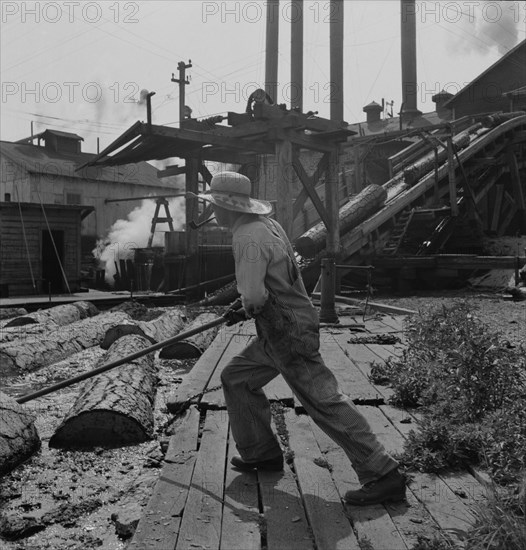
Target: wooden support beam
[
  {"x": 284, "y": 156},
  {"x": 173, "y": 170},
  {"x": 209, "y": 138},
  {"x": 516, "y": 184},
  {"x": 328, "y": 271},
  {"x": 497, "y": 208},
  {"x": 451, "y": 177},
  {"x": 309, "y": 184},
  {"x": 192, "y": 212},
  {"x": 300, "y": 139}
]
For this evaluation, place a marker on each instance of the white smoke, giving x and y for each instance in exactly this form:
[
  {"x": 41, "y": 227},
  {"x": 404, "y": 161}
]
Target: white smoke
[
  {"x": 126, "y": 235},
  {"x": 481, "y": 26}
]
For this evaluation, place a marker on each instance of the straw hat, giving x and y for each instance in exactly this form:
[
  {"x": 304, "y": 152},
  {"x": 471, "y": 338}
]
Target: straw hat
[{"x": 231, "y": 191}]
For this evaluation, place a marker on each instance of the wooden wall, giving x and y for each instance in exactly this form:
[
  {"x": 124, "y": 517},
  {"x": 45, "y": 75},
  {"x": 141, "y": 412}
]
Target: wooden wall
[{"x": 14, "y": 263}]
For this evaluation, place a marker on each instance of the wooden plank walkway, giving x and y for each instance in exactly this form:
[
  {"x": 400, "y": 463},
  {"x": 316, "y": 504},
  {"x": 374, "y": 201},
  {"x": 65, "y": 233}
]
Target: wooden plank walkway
[{"x": 201, "y": 502}]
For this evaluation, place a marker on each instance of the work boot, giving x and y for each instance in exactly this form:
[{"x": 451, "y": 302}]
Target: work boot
[
  {"x": 272, "y": 464},
  {"x": 389, "y": 488}
]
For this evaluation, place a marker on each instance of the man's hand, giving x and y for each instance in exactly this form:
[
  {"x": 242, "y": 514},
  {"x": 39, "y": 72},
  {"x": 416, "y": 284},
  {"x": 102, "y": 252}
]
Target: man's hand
[
  {"x": 235, "y": 314},
  {"x": 233, "y": 317}
]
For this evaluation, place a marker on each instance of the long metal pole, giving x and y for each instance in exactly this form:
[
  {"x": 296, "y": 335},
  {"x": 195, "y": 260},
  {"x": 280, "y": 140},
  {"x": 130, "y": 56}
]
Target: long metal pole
[{"x": 119, "y": 362}]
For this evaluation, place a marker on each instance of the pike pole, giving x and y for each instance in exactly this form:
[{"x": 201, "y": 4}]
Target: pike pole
[{"x": 234, "y": 308}]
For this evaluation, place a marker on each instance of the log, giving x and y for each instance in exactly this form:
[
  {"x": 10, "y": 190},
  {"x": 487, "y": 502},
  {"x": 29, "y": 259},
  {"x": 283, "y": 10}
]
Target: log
[
  {"x": 357, "y": 210},
  {"x": 59, "y": 315},
  {"x": 156, "y": 330},
  {"x": 195, "y": 345},
  {"x": 18, "y": 436},
  {"x": 427, "y": 162},
  {"x": 114, "y": 408},
  {"x": 46, "y": 319},
  {"x": 41, "y": 350}
]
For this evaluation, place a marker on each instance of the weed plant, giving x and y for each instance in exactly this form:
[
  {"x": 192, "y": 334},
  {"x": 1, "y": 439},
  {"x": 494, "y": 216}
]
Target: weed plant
[{"x": 469, "y": 383}]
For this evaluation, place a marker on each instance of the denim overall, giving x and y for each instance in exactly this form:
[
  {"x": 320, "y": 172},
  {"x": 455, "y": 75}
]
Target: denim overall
[{"x": 288, "y": 344}]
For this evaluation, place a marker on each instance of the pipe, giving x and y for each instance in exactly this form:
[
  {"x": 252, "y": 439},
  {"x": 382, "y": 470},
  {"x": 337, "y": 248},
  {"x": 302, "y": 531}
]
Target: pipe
[{"x": 336, "y": 60}]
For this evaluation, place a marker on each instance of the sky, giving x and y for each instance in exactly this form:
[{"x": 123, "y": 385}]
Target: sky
[{"x": 83, "y": 66}]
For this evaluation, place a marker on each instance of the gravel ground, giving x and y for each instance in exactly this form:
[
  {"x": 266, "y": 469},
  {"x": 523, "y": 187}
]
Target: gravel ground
[{"x": 91, "y": 495}]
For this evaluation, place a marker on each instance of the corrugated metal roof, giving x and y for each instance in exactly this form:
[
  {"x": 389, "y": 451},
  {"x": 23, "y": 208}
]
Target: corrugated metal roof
[{"x": 41, "y": 160}]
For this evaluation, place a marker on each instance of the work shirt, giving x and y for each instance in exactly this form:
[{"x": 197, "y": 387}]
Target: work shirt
[{"x": 264, "y": 262}]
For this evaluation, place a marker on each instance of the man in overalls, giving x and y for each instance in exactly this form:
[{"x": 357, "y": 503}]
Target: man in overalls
[{"x": 272, "y": 292}]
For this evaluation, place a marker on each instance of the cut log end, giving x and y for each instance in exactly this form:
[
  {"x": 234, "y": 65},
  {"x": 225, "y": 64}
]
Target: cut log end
[
  {"x": 181, "y": 350},
  {"x": 118, "y": 331},
  {"x": 20, "y": 322},
  {"x": 99, "y": 428}
]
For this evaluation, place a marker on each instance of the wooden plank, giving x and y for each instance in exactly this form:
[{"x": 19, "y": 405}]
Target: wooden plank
[
  {"x": 446, "y": 508},
  {"x": 160, "y": 521},
  {"x": 363, "y": 359},
  {"x": 352, "y": 381},
  {"x": 216, "y": 399},
  {"x": 285, "y": 523},
  {"x": 377, "y": 524},
  {"x": 240, "y": 526},
  {"x": 201, "y": 522},
  {"x": 329, "y": 524},
  {"x": 198, "y": 378}
]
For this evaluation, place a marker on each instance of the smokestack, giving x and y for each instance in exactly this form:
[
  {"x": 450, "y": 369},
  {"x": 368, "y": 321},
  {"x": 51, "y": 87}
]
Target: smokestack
[
  {"x": 296, "y": 55},
  {"x": 336, "y": 62},
  {"x": 409, "y": 108},
  {"x": 271, "y": 55}
]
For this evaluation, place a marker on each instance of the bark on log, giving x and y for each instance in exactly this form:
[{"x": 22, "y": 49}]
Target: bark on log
[
  {"x": 42, "y": 350},
  {"x": 156, "y": 330},
  {"x": 18, "y": 435},
  {"x": 196, "y": 344},
  {"x": 46, "y": 319},
  {"x": 114, "y": 408},
  {"x": 357, "y": 210},
  {"x": 427, "y": 163},
  {"x": 60, "y": 315}
]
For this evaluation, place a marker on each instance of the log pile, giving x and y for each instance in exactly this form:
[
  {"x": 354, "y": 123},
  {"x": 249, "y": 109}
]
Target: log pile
[
  {"x": 114, "y": 408},
  {"x": 44, "y": 349},
  {"x": 18, "y": 435}
]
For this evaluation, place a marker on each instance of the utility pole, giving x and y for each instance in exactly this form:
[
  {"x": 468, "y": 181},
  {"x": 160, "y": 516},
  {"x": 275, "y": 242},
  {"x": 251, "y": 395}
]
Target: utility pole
[{"x": 182, "y": 81}]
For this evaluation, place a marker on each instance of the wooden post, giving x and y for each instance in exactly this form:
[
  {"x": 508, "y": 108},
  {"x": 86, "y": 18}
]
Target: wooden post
[
  {"x": 451, "y": 175},
  {"x": 285, "y": 182},
  {"x": 296, "y": 55},
  {"x": 328, "y": 270},
  {"x": 192, "y": 242},
  {"x": 516, "y": 185},
  {"x": 336, "y": 59},
  {"x": 271, "y": 52},
  {"x": 182, "y": 81}
]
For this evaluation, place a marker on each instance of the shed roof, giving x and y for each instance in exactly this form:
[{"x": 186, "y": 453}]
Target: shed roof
[
  {"x": 41, "y": 160},
  {"x": 84, "y": 210},
  {"x": 519, "y": 51}
]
